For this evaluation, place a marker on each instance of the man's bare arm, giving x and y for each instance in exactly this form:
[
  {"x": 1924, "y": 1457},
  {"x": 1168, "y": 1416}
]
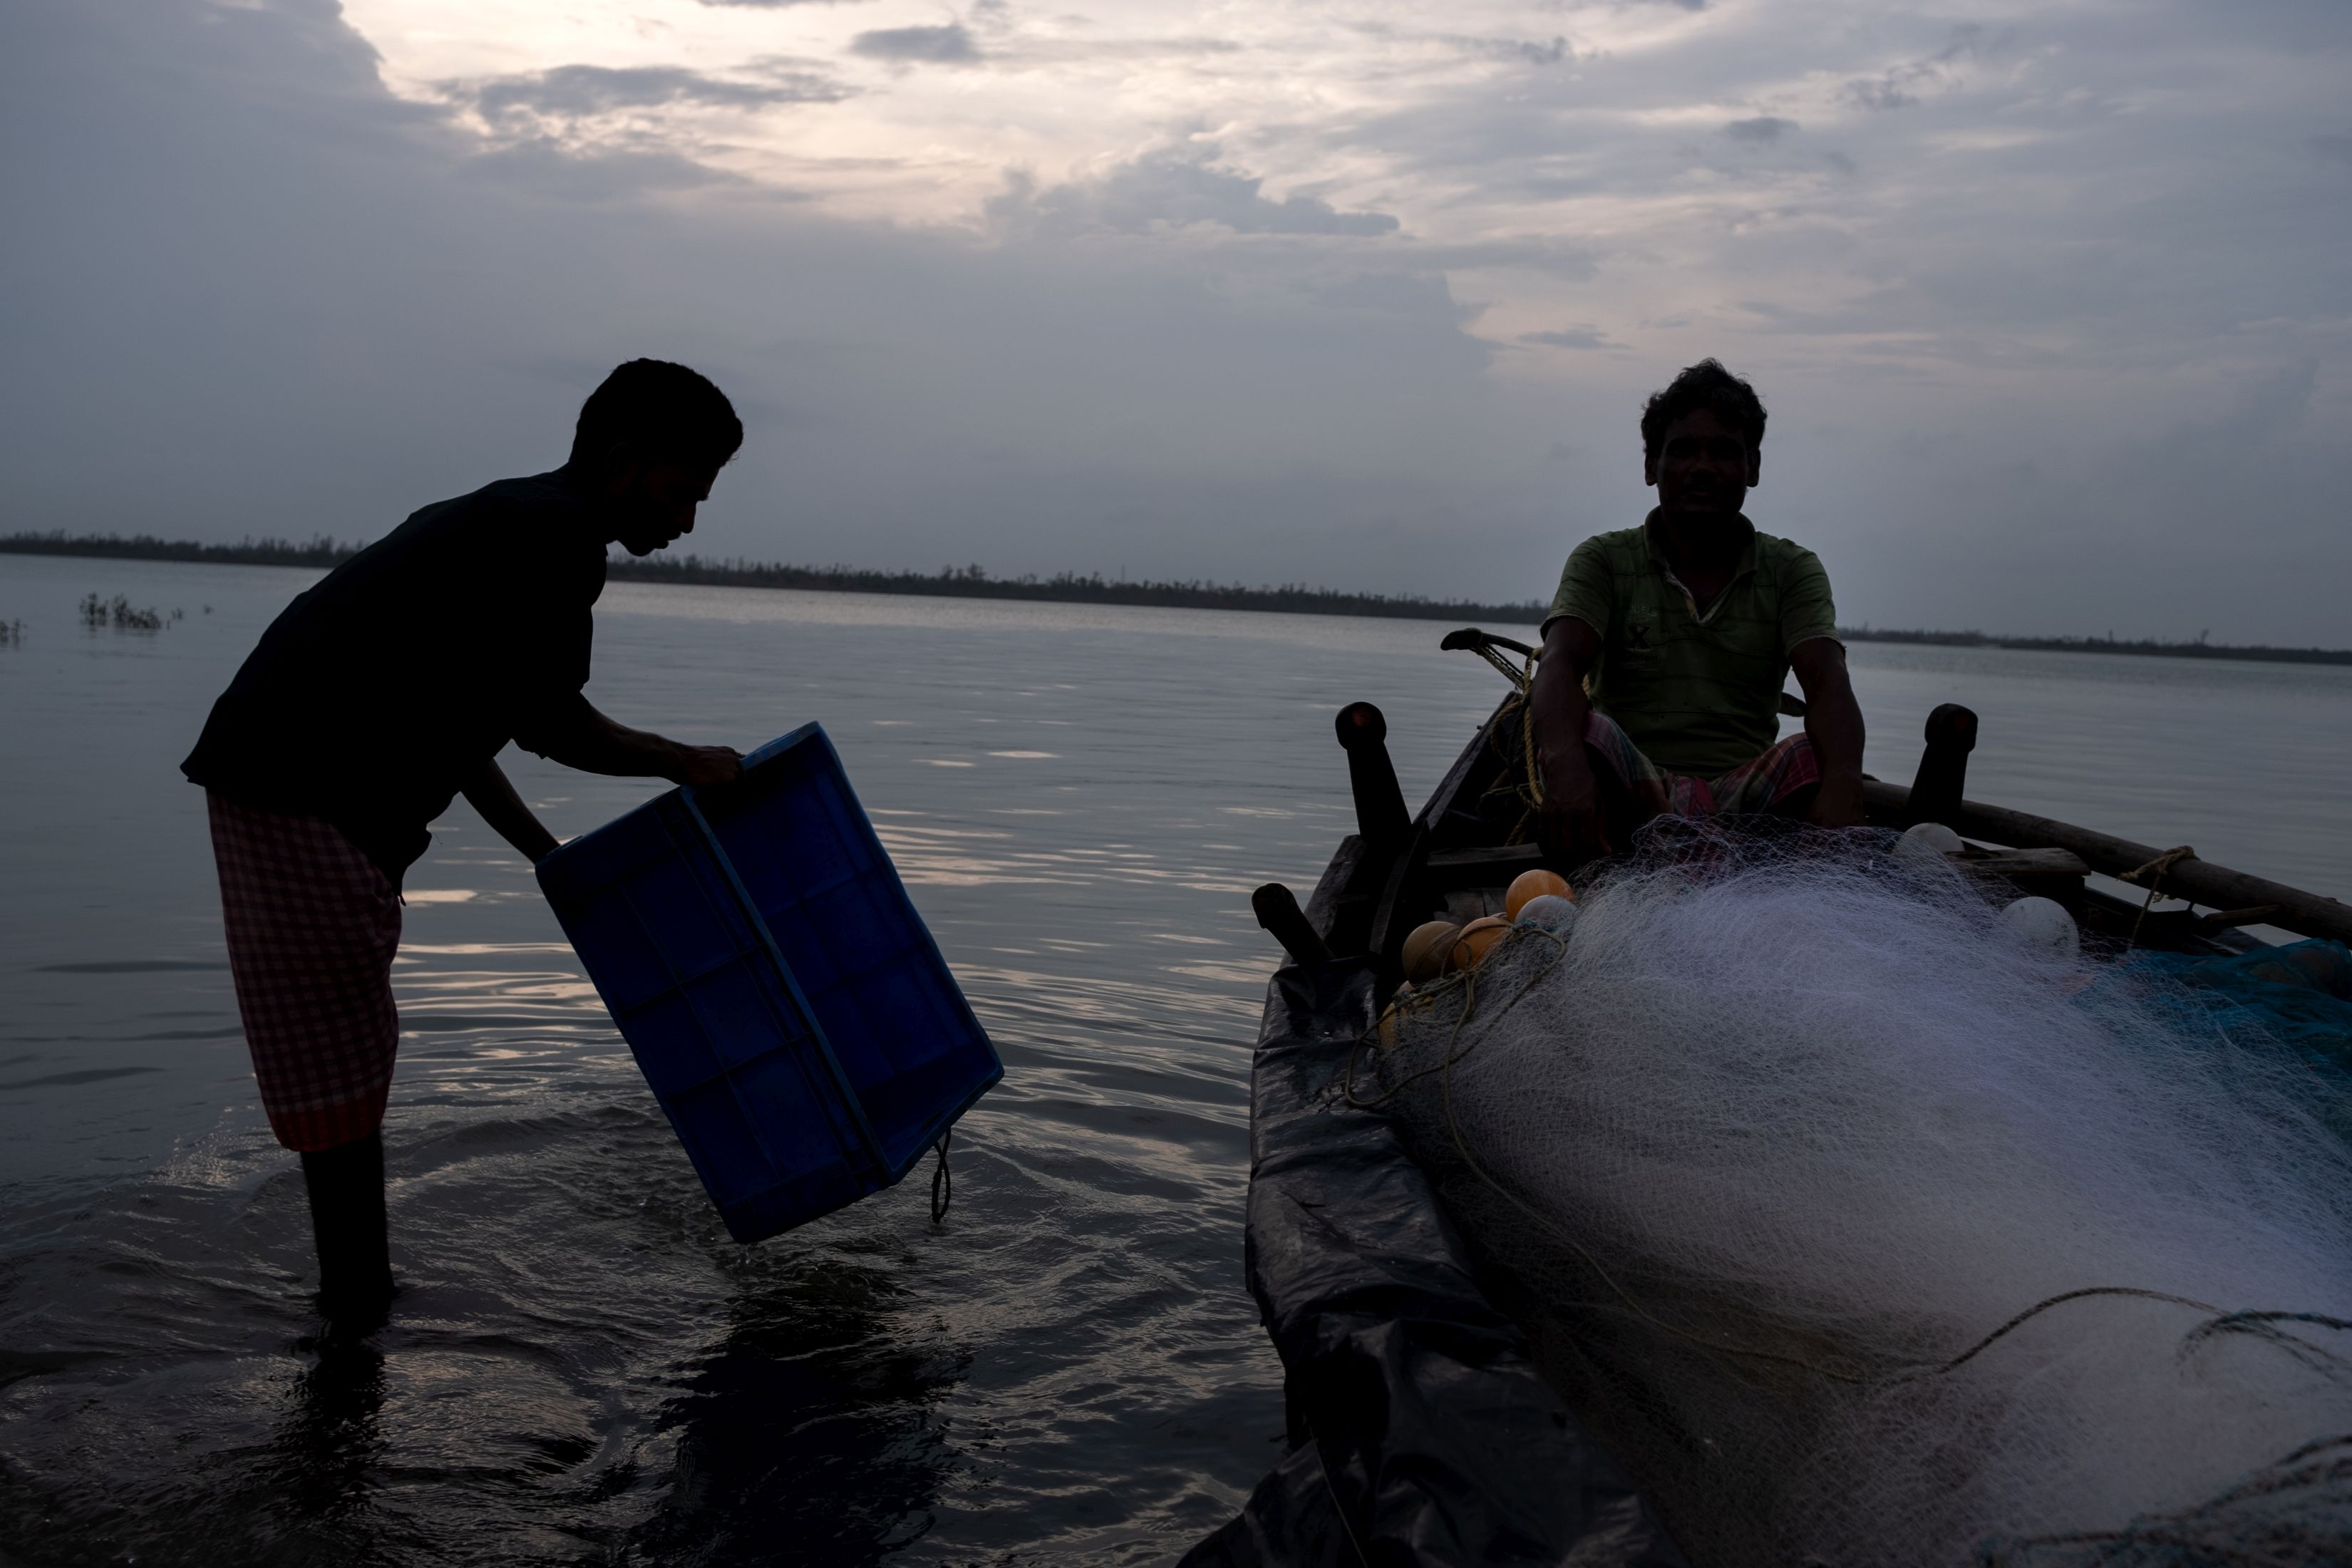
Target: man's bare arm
[
  {"x": 588, "y": 739},
  {"x": 1570, "y": 825},
  {"x": 1833, "y": 722},
  {"x": 493, "y": 794}
]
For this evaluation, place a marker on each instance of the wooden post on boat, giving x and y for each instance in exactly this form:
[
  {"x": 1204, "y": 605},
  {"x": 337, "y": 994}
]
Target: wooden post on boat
[
  {"x": 1380, "y": 814},
  {"x": 1944, "y": 766},
  {"x": 1277, "y": 911}
]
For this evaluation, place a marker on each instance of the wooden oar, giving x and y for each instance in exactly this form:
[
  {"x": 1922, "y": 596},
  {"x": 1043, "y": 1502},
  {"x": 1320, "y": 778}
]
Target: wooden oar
[{"x": 2186, "y": 877}]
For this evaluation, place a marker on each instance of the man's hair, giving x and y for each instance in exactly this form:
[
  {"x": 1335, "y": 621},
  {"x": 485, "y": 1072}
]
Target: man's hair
[
  {"x": 1706, "y": 384},
  {"x": 668, "y": 412}
]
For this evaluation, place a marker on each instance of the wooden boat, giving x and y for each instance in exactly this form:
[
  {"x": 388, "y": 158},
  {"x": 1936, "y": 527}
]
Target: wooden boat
[{"x": 1420, "y": 1428}]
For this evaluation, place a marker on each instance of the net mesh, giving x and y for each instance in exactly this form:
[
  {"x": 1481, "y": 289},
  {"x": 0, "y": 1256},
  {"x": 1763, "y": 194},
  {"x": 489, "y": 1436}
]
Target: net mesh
[{"x": 1866, "y": 1234}]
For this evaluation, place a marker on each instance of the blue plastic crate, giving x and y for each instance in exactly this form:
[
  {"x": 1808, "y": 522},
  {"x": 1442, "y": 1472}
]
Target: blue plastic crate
[{"x": 787, "y": 1005}]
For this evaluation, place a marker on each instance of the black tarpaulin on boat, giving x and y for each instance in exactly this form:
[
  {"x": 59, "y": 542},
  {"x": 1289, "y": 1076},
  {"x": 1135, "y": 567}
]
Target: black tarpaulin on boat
[{"x": 1420, "y": 1431}]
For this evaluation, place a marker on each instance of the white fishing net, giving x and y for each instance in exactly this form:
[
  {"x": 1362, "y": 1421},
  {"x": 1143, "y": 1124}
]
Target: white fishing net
[{"x": 1868, "y": 1234}]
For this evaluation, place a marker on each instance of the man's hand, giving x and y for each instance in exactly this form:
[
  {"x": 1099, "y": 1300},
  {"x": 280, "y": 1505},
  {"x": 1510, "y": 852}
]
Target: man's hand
[
  {"x": 1838, "y": 804},
  {"x": 1833, "y": 723},
  {"x": 490, "y": 793},
  {"x": 1570, "y": 825},
  {"x": 580, "y": 737},
  {"x": 703, "y": 765}
]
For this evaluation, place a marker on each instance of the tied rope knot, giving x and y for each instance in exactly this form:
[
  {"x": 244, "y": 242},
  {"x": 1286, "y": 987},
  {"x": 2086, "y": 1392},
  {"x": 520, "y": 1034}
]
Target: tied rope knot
[{"x": 2153, "y": 872}]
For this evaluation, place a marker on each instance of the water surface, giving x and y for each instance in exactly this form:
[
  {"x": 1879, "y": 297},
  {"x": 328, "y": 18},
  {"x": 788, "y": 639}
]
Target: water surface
[{"x": 585, "y": 1369}]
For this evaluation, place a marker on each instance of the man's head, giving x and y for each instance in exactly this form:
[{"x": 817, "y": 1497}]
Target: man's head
[
  {"x": 1702, "y": 442},
  {"x": 652, "y": 440}
]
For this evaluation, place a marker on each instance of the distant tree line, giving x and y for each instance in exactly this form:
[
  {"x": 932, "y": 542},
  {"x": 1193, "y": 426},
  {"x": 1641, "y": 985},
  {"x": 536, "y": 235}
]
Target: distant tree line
[
  {"x": 949, "y": 581},
  {"x": 2198, "y": 648},
  {"x": 1070, "y": 587},
  {"x": 1067, "y": 588},
  {"x": 322, "y": 552}
]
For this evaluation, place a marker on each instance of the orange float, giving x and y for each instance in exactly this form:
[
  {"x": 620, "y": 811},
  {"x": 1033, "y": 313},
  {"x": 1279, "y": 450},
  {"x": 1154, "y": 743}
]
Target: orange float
[
  {"x": 1534, "y": 884},
  {"x": 1425, "y": 948},
  {"x": 1475, "y": 938}
]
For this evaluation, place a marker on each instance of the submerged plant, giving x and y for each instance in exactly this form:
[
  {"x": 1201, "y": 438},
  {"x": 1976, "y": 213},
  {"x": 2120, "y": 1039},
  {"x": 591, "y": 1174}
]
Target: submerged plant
[{"x": 97, "y": 613}]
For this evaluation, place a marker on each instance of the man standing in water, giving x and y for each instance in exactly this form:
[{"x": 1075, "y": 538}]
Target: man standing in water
[
  {"x": 1664, "y": 650},
  {"x": 375, "y": 698}
]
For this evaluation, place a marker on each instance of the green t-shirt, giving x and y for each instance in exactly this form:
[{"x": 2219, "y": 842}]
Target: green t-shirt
[{"x": 1698, "y": 691}]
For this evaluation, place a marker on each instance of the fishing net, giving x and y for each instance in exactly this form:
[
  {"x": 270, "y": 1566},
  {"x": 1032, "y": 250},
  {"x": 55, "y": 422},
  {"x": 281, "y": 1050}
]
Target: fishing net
[{"x": 1866, "y": 1234}]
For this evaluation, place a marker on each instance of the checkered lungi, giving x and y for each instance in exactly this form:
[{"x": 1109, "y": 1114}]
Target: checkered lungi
[
  {"x": 312, "y": 927},
  {"x": 1757, "y": 785}
]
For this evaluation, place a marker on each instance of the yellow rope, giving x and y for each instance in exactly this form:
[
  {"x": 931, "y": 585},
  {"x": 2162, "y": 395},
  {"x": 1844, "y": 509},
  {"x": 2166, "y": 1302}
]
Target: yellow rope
[
  {"x": 1528, "y": 734},
  {"x": 1525, "y": 783},
  {"x": 2154, "y": 871}
]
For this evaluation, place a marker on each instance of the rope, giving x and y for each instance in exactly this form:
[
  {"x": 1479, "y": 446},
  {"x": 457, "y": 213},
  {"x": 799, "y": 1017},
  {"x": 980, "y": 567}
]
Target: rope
[
  {"x": 1524, "y": 782},
  {"x": 942, "y": 1184},
  {"x": 1465, "y": 982},
  {"x": 2159, "y": 866},
  {"x": 1528, "y": 735},
  {"x": 2154, "y": 871},
  {"x": 1527, "y": 786}
]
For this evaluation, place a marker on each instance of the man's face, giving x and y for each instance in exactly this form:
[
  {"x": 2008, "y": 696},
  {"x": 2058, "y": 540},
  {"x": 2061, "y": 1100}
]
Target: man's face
[
  {"x": 1704, "y": 466},
  {"x": 657, "y": 500}
]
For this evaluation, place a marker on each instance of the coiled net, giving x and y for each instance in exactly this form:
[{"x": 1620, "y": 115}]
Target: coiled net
[{"x": 1866, "y": 1235}]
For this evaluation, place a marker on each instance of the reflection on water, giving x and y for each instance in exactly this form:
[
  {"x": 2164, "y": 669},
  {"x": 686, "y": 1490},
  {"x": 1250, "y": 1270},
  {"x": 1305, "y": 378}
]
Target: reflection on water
[
  {"x": 584, "y": 1367},
  {"x": 814, "y": 1421}
]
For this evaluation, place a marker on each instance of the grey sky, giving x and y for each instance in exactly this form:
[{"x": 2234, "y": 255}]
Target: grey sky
[{"x": 2049, "y": 302}]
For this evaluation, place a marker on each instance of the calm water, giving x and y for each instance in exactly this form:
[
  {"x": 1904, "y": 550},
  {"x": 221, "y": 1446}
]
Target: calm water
[{"x": 585, "y": 1369}]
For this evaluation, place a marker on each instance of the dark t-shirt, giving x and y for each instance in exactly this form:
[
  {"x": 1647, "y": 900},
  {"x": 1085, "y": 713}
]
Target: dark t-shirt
[{"x": 378, "y": 694}]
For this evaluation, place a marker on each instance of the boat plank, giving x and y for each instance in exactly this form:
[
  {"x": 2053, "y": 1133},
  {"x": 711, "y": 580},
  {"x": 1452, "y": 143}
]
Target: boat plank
[{"x": 2024, "y": 862}]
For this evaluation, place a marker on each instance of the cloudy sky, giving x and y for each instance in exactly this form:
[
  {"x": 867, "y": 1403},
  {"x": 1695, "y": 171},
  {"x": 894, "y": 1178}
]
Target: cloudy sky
[{"x": 2052, "y": 303}]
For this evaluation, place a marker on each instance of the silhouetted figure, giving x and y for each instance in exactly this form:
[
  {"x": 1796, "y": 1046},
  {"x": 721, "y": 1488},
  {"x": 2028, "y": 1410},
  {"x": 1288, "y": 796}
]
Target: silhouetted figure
[
  {"x": 375, "y": 698},
  {"x": 1664, "y": 650}
]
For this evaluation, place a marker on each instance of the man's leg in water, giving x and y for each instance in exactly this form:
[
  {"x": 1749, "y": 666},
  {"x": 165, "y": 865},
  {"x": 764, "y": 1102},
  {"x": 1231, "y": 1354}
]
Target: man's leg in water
[
  {"x": 312, "y": 927},
  {"x": 346, "y": 1189}
]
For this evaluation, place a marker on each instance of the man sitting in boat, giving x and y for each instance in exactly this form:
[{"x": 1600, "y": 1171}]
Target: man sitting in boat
[{"x": 1665, "y": 647}]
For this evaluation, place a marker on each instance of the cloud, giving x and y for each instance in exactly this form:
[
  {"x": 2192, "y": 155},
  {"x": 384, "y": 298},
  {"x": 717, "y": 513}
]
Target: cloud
[
  {"x": 1326, "y": 283},
  {"x": 951, "y": 44},
  {"x": 1548, "y": 254},
  {"x": 773, "y": 4},
  {"x": 1031, "y": 52},
  {"x": 1173, "y": 190},
  {"x": 1514, "y": 51},
  {"x": 1878, "y": 96},
  {"x": 274, "y": 216},
  {"x": 1570, "y": 338},
  {"x": 578, "y": 91},
  {"x": 1763, "y": 129},
  {"x": 1892, "y": 88}
]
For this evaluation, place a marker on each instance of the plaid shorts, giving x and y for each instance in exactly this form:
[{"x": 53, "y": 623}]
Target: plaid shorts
[
  {"x": 1757, "y": 785},
  {"x": 312, "y": 927}
]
